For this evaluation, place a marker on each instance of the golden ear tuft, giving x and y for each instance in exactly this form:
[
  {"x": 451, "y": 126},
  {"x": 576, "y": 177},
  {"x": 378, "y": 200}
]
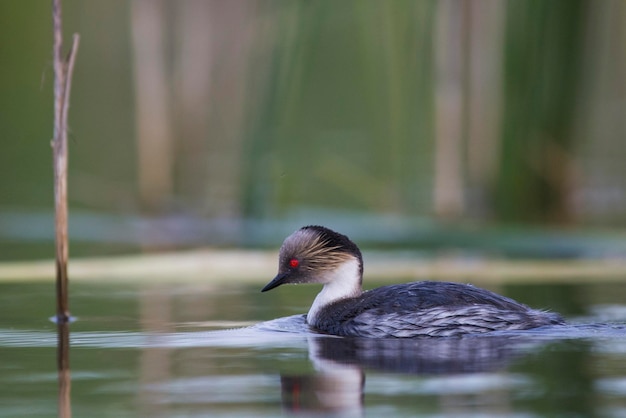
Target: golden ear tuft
[{"x": 319, "y": 255}]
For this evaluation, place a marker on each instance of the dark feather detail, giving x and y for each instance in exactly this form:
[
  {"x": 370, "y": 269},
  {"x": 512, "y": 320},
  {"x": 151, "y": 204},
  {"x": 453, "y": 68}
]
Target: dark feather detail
[{"x": 428, "y": 309}]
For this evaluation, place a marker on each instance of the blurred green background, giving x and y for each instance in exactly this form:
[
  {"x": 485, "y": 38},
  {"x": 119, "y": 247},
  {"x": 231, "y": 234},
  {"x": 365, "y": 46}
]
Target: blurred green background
[{"x": 482, "y": 124}]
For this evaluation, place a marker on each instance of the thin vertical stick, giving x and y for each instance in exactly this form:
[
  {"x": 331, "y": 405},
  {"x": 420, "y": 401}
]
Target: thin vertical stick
[
  {"x": 63, "y": 70},
  {"x": 62, "y": 81}
]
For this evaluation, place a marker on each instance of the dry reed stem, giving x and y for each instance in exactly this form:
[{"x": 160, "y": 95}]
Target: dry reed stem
[{"x": 63, "y": 69}]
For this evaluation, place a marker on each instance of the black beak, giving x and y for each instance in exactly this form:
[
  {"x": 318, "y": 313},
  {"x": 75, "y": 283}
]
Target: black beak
[{"x": 281, "y": 278}]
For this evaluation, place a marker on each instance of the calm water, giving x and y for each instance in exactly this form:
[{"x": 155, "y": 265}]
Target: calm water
[{"x": 181, "y": 351}]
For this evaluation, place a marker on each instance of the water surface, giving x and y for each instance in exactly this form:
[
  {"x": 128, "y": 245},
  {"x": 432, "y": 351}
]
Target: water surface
[{"x": 202, "y": 350}]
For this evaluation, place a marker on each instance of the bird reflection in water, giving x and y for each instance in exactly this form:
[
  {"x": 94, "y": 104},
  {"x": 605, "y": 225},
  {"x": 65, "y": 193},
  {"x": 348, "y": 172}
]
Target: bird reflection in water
[{"x": 337, "y": 386}]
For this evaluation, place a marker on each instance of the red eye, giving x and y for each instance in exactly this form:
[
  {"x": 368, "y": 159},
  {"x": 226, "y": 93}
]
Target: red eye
[{"x": 294, "y": 263}]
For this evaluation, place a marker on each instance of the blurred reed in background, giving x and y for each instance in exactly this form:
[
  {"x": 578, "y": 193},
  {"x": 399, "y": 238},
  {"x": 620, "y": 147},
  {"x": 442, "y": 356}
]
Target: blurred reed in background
[{"x": 239, "y": 111}]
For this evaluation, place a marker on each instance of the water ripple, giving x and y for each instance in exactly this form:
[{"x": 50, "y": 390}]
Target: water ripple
[{"x": 289, "y": 331}]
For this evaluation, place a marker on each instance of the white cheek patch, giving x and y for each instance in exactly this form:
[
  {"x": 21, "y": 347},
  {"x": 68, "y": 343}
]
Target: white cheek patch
[{"x": 340, "y": 283}]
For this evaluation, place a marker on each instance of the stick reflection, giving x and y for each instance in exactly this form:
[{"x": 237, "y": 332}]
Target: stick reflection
[{"x": 63, "y": 365}]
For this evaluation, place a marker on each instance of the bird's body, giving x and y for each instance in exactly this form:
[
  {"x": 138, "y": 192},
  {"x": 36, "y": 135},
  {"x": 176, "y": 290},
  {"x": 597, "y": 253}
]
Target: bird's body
[
  {"x": 316, "y": 254},
  {"x": 427, "y": 309}
]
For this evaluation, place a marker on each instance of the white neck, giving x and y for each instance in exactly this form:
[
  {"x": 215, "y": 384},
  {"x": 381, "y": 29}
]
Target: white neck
[{"x": 341, "y": 283}]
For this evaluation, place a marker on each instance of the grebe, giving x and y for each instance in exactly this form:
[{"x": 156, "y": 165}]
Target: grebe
[{"x": 315, "y": 254}]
